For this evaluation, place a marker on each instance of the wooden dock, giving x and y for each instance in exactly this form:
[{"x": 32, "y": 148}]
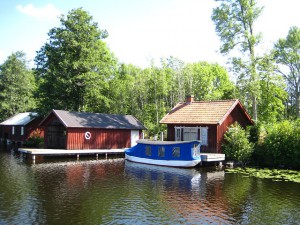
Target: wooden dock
[
  {"x": 62, "y": 152},
  {"x": 212, "y": 157}
]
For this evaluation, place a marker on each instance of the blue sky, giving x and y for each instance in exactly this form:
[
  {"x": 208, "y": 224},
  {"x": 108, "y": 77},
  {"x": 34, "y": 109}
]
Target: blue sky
[{"x": 139, "y": 30}]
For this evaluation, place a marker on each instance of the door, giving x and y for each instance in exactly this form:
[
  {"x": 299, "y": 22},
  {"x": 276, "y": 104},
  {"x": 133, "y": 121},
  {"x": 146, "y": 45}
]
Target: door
[{"x": 135, "y": 135}]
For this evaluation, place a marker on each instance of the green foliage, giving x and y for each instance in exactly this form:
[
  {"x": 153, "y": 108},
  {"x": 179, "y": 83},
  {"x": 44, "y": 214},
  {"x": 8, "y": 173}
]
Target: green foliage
[
  {"x": 237, "y": 145},
  {"x": 74, "y": 65},
  {"x": 271, "y": 104},
  {"x": 17, "y": 85},
  {"x": 280, "y": 145},
  {"x": 207, "y": 81},
  {"x": 286, "y": 53}
]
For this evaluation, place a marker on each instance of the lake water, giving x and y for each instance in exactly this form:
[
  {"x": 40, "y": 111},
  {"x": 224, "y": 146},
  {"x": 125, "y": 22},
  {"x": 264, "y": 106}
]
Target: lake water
[{"x": 115, "y": 191}]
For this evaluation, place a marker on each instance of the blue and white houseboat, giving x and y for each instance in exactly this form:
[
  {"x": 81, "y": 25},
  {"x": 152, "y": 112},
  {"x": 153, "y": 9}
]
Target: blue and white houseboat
[{"x": 165, "y": 153}]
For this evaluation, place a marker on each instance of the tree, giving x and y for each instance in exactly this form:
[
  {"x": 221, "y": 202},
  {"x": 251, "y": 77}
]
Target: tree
[
  {"x": 234, "y": 21},
  {"x": 74, "y": 66},
  {"x": 207, "y": 81},
  {"x": 287, "y": 55},
  {"x": 17, "y": 86},
  {"x": 271, "y": 105}
]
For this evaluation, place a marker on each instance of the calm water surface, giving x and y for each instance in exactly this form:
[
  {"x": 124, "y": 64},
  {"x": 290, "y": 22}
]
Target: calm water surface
[{"x": 115, "y": 191}]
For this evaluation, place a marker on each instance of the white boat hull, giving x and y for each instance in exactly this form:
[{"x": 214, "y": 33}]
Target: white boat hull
[{"x": 172, "y": 163}]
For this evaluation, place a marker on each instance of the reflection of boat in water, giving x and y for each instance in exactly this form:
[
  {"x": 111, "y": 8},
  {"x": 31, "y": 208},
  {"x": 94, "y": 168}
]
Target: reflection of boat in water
[
  {"x": 169, "y": 176},
  {"x": 165, "y": 153}
]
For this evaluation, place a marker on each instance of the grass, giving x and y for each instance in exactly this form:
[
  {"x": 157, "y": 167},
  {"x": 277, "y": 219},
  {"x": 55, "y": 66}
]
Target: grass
[{"x": 274, "y": 174}]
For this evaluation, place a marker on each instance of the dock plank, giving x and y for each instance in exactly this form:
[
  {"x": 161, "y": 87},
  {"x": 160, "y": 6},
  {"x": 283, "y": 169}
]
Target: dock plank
[{"x": 69, "y": 152}]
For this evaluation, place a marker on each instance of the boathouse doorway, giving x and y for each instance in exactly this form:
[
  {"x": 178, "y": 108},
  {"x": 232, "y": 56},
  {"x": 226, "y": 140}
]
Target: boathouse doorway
[{"x": 56, "y": 137}]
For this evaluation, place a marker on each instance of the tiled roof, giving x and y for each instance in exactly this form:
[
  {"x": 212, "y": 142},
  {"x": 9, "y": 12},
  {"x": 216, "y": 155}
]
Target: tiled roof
[
  {"x": 98, "y": 120},
  {"x": 20, "y": 119},
  {"x": 200, "y": 112}
]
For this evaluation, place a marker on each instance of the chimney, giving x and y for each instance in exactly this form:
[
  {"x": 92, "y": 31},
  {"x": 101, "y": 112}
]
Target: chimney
[{"x": 189, "y": 99}]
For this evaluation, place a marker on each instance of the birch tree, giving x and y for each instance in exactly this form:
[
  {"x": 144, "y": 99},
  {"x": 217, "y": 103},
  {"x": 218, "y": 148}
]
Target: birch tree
[{"x": 234, "y": 23}]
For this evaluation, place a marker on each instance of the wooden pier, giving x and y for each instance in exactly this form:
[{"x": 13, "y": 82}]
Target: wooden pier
[{"x": 62, "y": 152}]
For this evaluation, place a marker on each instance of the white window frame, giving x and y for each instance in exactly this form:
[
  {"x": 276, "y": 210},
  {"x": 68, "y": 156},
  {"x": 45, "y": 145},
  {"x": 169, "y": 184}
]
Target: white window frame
[
  {"x": 177, "y": 133},
  {"x": 202, "y": 129}
]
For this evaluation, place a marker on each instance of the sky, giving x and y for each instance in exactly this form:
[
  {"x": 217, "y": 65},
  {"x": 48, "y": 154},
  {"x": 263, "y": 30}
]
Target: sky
[{"x": 139, "y": 30}]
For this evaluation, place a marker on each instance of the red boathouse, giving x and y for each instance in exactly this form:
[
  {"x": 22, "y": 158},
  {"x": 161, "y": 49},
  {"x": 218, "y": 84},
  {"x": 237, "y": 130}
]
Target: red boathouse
[
  {"x": 207, "y": 121},
  {"x": 20, "y": 127},
  {"x": 81, "y": 130}
]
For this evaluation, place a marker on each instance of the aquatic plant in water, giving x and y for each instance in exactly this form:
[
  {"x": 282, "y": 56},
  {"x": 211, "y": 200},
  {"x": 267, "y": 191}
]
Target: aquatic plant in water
[{"x": 274, "y": 174}]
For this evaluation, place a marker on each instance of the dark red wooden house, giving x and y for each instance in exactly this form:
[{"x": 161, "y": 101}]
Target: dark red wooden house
[
  {"x": 20, "y": 127},
  {"x": 81, "y": 130},
  {"x": 204, "y": 120}
]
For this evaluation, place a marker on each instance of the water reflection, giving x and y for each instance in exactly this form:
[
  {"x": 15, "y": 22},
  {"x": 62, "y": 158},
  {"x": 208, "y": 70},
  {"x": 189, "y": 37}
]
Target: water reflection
[{"x": 117, "y": 192}]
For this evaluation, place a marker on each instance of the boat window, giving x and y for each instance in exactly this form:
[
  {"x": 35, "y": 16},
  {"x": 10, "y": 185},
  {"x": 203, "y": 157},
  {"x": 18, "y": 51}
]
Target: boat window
[
  {"x": 148, "y": 150},
  {"x": 196, "y": 150},
  {"x": 161, "y": 152},
  {"x": 176, "y": 152}
]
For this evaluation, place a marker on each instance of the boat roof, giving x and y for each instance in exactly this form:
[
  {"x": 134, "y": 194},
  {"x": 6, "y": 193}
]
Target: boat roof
[{"x": 152, "y": 142}]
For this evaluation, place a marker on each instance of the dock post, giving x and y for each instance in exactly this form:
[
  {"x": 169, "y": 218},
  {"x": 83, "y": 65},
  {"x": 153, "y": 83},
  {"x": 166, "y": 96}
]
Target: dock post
[
  {"x": 106, "y": 155},
  {"x": 33, "y": 159},
  {"x": 77, "y": 156},
  {"x": 97, "y": 156}
]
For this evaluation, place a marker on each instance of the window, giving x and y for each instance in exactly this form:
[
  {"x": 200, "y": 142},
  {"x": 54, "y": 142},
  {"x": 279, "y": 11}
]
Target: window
[
  {"x": 196, "y": 151},
  {"x": 13, "y": 130},
  {"x": 176, "y": 152},
  {"x": 204, "y": 135},
  {"x": 161, "y": 152},
  {"x": 22, "y": 130},
  {"x": 148, "y": 150},
  {"x": 177, "y": 134}
]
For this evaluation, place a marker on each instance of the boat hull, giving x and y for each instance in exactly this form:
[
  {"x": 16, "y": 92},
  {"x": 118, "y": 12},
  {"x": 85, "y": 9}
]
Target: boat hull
[{"x": 171, "y": 163}]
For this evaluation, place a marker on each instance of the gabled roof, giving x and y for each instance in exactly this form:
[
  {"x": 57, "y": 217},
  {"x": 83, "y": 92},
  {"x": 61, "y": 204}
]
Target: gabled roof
[
  {"x": 202, "y": 112},
  {"x": 20, "y": 119},
  {"x": 96, "y": 120}
]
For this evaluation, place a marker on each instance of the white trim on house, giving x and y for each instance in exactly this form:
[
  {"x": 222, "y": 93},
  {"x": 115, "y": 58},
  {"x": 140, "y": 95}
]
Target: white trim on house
[{"x": 191, "y": 133}]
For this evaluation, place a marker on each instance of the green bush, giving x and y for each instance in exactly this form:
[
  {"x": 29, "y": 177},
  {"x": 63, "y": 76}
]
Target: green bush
[
  {"x": 281, "y": 145},
  {"x": 35, "y": 140},
  {"x": 237, "y": 146}
]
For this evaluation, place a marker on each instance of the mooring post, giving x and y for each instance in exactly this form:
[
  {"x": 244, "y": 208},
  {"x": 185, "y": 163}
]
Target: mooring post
[
  {"x": 106, "y": 155},
  {"x": 77, "y": 156},
  {"x": 33, "y": 159},
  {"x": 96, "y": 156}
]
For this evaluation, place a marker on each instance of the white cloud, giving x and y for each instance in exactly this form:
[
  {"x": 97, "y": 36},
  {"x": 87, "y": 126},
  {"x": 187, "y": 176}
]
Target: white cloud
[{"x": 45, "y": 13}]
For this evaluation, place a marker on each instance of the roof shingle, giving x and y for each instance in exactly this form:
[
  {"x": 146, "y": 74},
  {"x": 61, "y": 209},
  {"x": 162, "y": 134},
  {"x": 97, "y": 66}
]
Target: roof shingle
[
  {"x": 199, "y": 112},
  {"x": 98, "y": 120}
]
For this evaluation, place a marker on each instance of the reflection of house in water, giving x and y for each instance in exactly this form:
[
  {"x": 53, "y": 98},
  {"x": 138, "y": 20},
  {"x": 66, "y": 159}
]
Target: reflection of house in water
[{"x": 191, "y": 194}]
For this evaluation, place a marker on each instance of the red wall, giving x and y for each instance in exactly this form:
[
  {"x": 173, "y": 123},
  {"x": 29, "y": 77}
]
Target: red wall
[{"x": 100, "y": 138}]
